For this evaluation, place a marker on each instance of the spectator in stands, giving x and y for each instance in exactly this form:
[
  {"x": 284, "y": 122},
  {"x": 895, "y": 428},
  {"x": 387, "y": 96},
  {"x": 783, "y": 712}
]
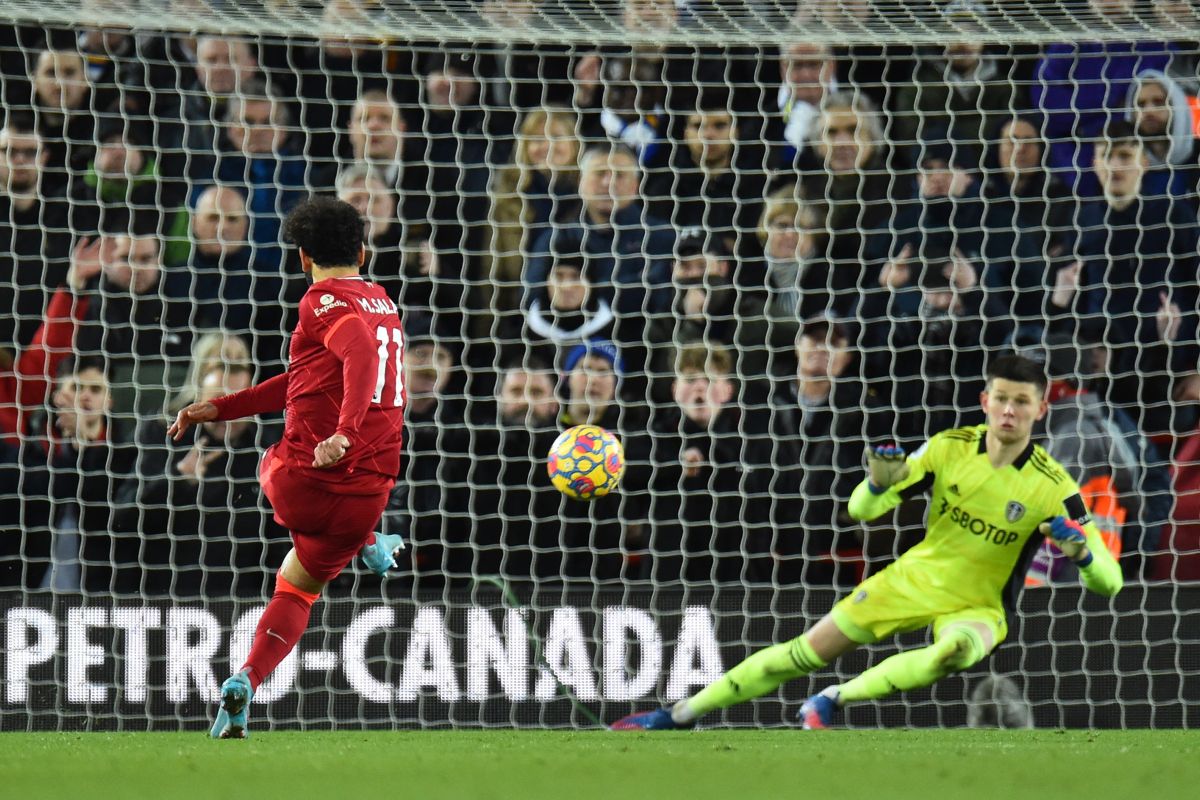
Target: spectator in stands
[
  {"x": 947, "y": 213},
  {"x": 25, "y": 381},
  {"x": 330, "y": 75},
  {"x": 800, "y": 281},
  {"x": 1028, "y": 224},
  {"x": 137, "y": 72},
  {"x": 539, "y": 187},
  {"x": 137, "y": 326},
  {"x": 623, "y": 89},
  {"x": 1082, "y": 86},
  {"x": 1160, "y": 112},
  {"x": 199, "y": 515},
  {"x": 519, "y": 77},
  {"x": 568, "y": 311},
  {"x": 630, "y": 250},
  {"x": 259, "y": 158},
  {"x": 108, "y": 51},
  {"x": 516, "y": 521},
  {"x": 708, "y": 310},
  {"x": 1134, "y": 287},
  {"x": 223, "y": 282},
  {"x": 431, "y": 506},
  {"x": 453, "y": 152},
  {"x": 872, "y": 69},
  {"x": 377, "y": 132},
  {"x": 1180, "y": 559},
  {"x": 223, "y": 67},
  {"x": 809, "y": 73},
  {"x": 85, "y": 467},
  {"x": 1184, "y": 54},
  {"x": 824, "y": 418},
  {"x": 710, "y": 466},
  {"x": 847, "y": 170},
  {"x": 715, "y": 179},
  {"x": 362, "y": 188},
  {"x": 597, "y": 536},
  {"x": 932, "y": 352},
  {"x": 620, "y": 96},
  {"x": 123, "y": 177},
  {"x": 63, "y": 101},
  {"x": 960, "y": 91},
  {"x": 455, "y": 144},
  {"x": 211, "y": 353},
  {"x": 36, "y": 250},
  {"x": 1121, "y": 477}
]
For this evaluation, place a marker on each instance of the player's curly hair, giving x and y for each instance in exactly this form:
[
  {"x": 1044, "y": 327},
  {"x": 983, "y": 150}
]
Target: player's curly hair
[{"x": 328, "y": 230}]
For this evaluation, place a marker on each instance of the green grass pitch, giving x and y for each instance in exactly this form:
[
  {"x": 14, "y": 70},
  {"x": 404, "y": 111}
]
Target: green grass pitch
[{"x": 727, "y": 764}]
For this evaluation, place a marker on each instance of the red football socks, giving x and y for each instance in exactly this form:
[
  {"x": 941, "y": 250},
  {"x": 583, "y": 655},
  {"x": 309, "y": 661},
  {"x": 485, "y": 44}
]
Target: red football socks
[{"x": 279, "y": 629}]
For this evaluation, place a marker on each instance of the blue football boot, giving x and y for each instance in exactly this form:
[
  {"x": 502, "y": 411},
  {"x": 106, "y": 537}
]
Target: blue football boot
[
  {"x": 380, "y": 555},
  {"x": 657, "y": 720},
  {"x": 235, "y": 700},
  {"x": 817, "y": 712}
]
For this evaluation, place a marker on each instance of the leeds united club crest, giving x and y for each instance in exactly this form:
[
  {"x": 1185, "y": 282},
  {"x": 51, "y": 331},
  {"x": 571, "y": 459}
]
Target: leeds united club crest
[{"x": 1013, "y": 511}]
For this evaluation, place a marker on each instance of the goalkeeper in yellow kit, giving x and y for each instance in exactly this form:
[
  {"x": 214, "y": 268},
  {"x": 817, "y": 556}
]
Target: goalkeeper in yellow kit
[{"x": 994, "y": 496}]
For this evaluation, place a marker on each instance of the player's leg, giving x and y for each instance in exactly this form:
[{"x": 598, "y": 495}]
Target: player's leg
[
  {"x": 880, "y": 607},
  {"x": 762, "y": 672},
  {"x": 284, "y": 620},
  {"x": 279, "y": 629},
  {"x": 327, "y": 531},
  {"x": 961, "y": 640}
]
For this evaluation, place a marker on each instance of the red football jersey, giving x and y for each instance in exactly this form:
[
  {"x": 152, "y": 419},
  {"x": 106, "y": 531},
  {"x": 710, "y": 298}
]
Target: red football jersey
[{"x": 346, "y": 376}]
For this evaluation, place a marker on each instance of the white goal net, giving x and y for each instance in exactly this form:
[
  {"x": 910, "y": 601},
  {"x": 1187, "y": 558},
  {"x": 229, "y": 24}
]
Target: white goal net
[{"x": 751, "y": 238}]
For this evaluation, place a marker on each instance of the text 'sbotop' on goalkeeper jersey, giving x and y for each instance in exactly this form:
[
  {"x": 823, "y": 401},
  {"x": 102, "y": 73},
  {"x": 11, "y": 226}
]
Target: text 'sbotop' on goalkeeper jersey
[{"x": 983, "y": 521}]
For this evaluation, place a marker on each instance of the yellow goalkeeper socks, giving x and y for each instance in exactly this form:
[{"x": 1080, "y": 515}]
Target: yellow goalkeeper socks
[
  {"x": 913, "y": 669},
  {"x": 760, "y": 673}
]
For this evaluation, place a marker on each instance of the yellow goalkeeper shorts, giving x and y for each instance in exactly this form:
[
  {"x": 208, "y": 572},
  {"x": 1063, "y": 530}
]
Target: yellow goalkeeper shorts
[{"x": 886, "y": 604}]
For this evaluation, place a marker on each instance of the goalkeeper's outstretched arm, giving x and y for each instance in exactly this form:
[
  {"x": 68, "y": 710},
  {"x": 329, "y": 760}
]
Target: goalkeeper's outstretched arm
[
  {"x": 889, "y": 472},
  {"x": 1082, "y": 543}
]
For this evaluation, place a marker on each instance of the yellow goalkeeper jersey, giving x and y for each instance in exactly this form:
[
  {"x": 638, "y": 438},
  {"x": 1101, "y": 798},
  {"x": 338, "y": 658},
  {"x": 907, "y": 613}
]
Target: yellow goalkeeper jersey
[{"x": 982, "y": 526}]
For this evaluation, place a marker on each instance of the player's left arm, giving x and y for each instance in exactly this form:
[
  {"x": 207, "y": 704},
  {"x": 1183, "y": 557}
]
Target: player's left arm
[{"x": 1078, "y": 537}]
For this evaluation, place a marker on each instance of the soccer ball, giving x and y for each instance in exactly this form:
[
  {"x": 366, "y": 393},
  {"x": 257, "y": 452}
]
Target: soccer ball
[{"x": 586, "y": 462}]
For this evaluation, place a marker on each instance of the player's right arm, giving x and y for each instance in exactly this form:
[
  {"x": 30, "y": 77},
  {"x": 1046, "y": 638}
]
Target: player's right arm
[
  {"x": 891, "y": 479},
  {"x": 265, "y": 398}
]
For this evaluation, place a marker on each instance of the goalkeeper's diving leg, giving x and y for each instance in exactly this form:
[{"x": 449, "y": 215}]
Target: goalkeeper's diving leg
[
  {"x": 956, "y": 647},
  {"x": 762, "y": 672}
]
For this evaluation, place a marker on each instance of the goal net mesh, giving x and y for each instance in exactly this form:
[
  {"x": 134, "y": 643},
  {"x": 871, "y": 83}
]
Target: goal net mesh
[{"x": 752, "y": 238}]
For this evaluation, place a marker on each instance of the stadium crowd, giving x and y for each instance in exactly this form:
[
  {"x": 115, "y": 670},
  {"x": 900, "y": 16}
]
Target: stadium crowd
[{"x": 749, "y": 263}]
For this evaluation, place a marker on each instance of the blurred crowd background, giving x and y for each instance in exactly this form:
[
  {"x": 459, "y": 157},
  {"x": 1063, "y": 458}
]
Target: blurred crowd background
[{"x": 748, "y": 262}]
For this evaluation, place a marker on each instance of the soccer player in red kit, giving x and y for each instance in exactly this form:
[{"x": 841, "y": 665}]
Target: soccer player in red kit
[{"x": 329, "y": 478}]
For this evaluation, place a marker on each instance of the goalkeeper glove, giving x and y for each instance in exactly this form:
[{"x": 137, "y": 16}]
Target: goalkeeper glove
[
  {"x": 886, "y": 466},
  {"x": 1068, "y": 535}
]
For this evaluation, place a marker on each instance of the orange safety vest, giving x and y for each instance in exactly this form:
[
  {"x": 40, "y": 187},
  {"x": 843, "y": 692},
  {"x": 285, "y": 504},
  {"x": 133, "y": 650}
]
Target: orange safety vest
[
  {"x": 1101, "y": 498},
  {"x": 1194, "y": 105}
]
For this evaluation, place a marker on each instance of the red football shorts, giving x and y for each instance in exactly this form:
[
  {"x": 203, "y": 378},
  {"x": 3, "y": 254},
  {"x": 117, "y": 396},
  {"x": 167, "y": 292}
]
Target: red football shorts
[{"x": 327, "y": 529}]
